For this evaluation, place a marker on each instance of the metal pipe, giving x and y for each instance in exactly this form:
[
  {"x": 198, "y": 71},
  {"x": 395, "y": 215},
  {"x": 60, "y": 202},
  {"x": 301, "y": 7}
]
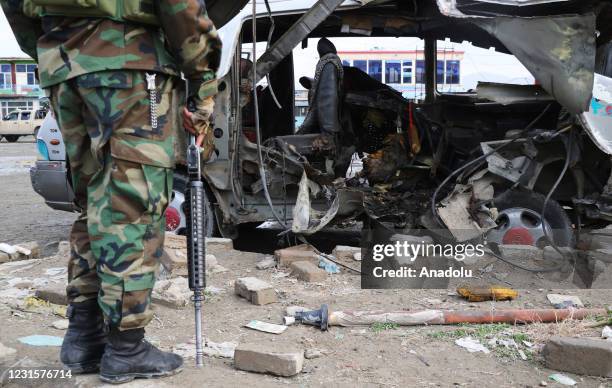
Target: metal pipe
[{"x": 430, "y": 69}]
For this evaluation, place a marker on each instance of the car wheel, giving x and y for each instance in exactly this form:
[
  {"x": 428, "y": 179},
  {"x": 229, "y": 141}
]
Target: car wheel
[
  {"x": 176, "y": 213},
  {"x": 520, "y": 222},
  {"x": 11, "y": 138}
]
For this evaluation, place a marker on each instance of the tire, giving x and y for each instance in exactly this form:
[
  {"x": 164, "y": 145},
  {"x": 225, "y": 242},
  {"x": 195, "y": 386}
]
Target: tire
[
  {"x": 11, "y": 138},
  {"x": 180, "y": 183},
  {"x": 555, "y": 216}
]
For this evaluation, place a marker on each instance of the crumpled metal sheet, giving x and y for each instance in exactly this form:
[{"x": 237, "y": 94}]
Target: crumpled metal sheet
[
  {"x": 598, "y": 120},
  {"x": 449, "y": 7},
  {"x": 307, "y": 221},
  {"x": 558, "y": 50}
]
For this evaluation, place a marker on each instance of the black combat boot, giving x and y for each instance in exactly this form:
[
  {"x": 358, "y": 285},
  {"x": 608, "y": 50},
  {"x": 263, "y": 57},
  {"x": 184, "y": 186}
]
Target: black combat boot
[
  {"x": 129, "y": 356},
  {"x": 85, "y": 339}
]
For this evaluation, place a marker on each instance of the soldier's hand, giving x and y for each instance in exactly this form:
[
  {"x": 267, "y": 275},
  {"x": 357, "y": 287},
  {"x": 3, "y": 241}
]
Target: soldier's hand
[{"x": 198, "y": 121}]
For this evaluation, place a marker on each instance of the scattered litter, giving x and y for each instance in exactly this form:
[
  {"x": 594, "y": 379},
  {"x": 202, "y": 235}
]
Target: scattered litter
[
  {"x": 607, "y": 333},
  {"x": 56, "y": 271},
  {"x": 24, "y": 251},
  {"x": 564, "y": 301},
  {"x": 505, "y": 342},
  {"x": 339, "y": 336},
  {"x": 288, "y": 321},
  {"x": 472, "y": 345},
  {"x": 266, "y": 327},
  {"x": 328, "y": 266},
  {"x": 562, "y": 379},
  {"x": 60, "y": 324},
  {"x": 481, "y": 294},
  {"x": 10, "y": 249},
  {"x": 357, "y": 256},
  {"x": 421, "y": 358},
  {"x": 523, "y": 355},
  {"x": 212, "y": 290},
  {"x": 278, "y": 275},
  {"x": 543, "y": 384},
  {"x": 41, "y": 340}
]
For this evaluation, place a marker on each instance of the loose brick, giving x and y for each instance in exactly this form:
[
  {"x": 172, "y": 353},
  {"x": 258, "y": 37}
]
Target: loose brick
[
  {"x": 175, "y": 262},
  {"x": 218, "y": 244},
  {"x": 255, "y": 290},
  {"x": 344, "y": 252},
  {"x": 262, "y": 358},
  {"x": 173, "y": 293},
  {"x": 175, "y": 241},
  {"x": 297, "y": 253},
  {"x": 586, "y": 356},
  {"x": 308, "y": 272},
  {"x": 4, "y": 257}
]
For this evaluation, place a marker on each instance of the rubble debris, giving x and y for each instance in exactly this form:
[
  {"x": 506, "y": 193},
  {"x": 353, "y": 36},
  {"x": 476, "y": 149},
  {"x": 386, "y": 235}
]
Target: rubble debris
[
  {"x": 301, "y": 252},
  {"x": 60, "y": 324},
  {"x": 219, "y": 244},
  {"x": 263, "y": 358},
  {"x": 419, "y": 357},
  {"x": 485, "y": 293},
  {"x": 564, "y": 301},
  {"x": 255, "y": 290},
  {"x": 27, "y": 251},
  {"x": 345, "y": 252},
  {"x": 174, "y": 258},
  {"x": 585, "y": 356},
  {"x": 6, "y": 353},
  {"x": 41, "y": 340},
  {"x": 53, "y": 293},
  {"x": 308, "y": 272},
  {"x": 471, "y": 345},
  {"x": 266, "y": 327},
  {"x": 310, "y": 354},
  {"x": 520, "y": 252},
  {"x": 328, "y": 266},
  {"x": 267, "y": 263},
  {"x": 562, "y": 379},
  {"x": 173, "y": 293}
]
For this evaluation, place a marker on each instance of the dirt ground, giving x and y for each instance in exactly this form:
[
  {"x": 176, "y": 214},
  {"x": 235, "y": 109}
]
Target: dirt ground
[{"x": 363, "y": 356}]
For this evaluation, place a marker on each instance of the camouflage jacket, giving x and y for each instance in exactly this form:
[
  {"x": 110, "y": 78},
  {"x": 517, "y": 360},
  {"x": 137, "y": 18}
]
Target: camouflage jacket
[{"x": 67, "y": 47}]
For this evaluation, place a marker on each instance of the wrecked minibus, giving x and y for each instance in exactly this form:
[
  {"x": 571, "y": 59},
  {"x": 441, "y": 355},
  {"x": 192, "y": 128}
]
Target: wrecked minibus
[{"x": 415, "y": 152}]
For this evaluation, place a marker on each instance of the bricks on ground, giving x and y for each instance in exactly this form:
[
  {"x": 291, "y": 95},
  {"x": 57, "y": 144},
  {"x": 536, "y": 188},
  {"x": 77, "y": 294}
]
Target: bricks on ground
[
  {"x": 307, "y": 271},
  {"x": 255, "y": 290},
  {"x": 302, "y": 252},
  {"x": 263, "y": 358}
]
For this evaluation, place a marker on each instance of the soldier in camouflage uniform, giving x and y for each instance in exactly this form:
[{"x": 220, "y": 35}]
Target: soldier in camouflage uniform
[{"x": 111, "y": 84}]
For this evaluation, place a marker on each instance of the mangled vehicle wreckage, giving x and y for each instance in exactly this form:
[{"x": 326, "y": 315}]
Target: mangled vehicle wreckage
[{"x": 481, "y": 161}]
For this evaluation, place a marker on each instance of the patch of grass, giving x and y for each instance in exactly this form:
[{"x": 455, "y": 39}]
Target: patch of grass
[
  {"x": 479, "y": 332},
  {"x": 382, "y": 326},
  {"x": 520, "y": 337}
]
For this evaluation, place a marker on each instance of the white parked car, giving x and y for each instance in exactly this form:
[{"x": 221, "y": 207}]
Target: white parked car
[{"x": 21, "y": 123}]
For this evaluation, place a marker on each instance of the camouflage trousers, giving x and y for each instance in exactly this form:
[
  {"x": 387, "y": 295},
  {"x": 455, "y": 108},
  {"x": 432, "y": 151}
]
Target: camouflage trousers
[{"x": 121, "y": 170}]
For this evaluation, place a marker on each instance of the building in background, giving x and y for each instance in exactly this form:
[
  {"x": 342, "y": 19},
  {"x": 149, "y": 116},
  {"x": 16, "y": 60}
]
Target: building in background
[
  {"x": 405, "y": 70},
  {"x": 19, "y": 88}
]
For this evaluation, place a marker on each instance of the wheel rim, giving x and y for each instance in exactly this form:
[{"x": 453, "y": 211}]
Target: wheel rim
[
  {"x": 519, "y": 226},
  {"x": 175, "y": 217}
]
